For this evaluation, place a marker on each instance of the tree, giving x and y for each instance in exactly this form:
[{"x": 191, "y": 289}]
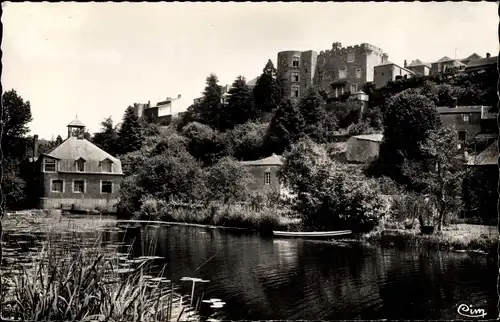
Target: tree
[
  {"x": 16, "y": 114},
  {"x": 205, "y": 143},
  {"x": 107, "y": 139},
  {"x": 318, "y": 125},
  {"x": 267, "y": 92},
  {"x": 286, "y": 127},
  {"x": 227, "y": 181},
  {"x": 130, "y": 134},
  {"x": 246, "y": 140},
  {"x": 210, "y": 110},
  {"x": 409, "y": 117},
  {"x": 442, "y": 180},
  {"x": 58, "y": 141},
  {"x": 239, "y": 107}
]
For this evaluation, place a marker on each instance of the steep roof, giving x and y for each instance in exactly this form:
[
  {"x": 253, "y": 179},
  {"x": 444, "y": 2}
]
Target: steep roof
[
  {"x": 444, "y": 59},
  {"x": 417, "y": 63},
  {"x": 370, "y": 137},
  {"x": 482, "y": 62},
  {"x": 489, "y": 156},
  {"x": 272, "y": 160},
  {"x": 74, "y": 148},
  {"x": 474, "y": 56},
  {"x": 77, "y": 123},
  {"x": 459, "y": 109}
]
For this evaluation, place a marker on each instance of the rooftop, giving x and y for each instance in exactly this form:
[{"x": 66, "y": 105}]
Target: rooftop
[
  {"x": 483, "y": 62},
  {"x": 459, "y": 109},
  {"x": 73, "y": 149},
  {"x": 418, "y": 62},
  {"x": 370, "y": 137},
  {"x": 253, "y": 81},
  {"x": 76, "y": 123},
  {"x": 272, "y": 160},
  {"x": 489, "y": 156}
]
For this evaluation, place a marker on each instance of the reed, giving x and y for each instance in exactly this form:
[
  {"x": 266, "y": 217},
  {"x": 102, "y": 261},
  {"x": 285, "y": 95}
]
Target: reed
[{"x": 73, "y": 281}]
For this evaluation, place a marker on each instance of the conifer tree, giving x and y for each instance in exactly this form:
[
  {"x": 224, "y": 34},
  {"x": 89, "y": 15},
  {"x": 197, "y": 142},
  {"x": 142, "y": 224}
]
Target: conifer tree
[
  {"x": 267, "y": 94},
  {"x": 130, "y": 135},
  {"x": 315, "y": 117},
  {"x": 240, "y": 107},
  {"x": 286, "y": 127},
  {"x": 210, "y": 109}
]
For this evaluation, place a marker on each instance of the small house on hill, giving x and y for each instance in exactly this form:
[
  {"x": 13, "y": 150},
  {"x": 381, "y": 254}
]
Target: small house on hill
[
  {"x": 265, "y": 173},
  {"x": 76, "y": 174},
  {"x": 363, "y": 148}
]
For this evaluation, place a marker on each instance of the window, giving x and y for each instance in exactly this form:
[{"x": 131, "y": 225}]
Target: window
[
  {"x": 354, "y": 88},
  {"x": 465, "y": 117},
  {"x": 79, "y": 186},
  {"x": 295, "y": 91},
  {"x": 80, "y": 165},
  {"x": 49, "y": 165},
  {"x": 267, "y": 178},
  {"x": 57, "y": 185},
  {"x": 336, "y": 92},
  {"x": 295, "y": 77},
  {"x": 106, "y": 166},
  {"x": 343, "y": 72},
  {"x": 358, "y": 72},
  {"x": 350, "y": 57},
  {"x": 342, "y": 90},
  {"x": 462, "y": 135},
  {"x": 295, "y": 62},
  {"x": 107, "y": 187}
]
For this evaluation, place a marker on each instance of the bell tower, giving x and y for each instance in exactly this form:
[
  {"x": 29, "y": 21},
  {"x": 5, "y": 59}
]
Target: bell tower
[{"x": 76, "y": 128}]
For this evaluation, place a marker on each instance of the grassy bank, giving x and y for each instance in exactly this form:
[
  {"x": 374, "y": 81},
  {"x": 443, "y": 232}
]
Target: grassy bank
[
  {"x": 263, "y": 219},
  {"x": 459, "y": 237}
]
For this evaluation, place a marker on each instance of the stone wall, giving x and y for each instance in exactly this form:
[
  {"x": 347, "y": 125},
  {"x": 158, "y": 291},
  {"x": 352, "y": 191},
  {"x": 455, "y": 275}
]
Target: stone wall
[
  {"x": 305, "y": 70},
  {"x": 361, "y": 151},
  {"x": 473, "y": 126},
  {"x": 258, "y": 173}
]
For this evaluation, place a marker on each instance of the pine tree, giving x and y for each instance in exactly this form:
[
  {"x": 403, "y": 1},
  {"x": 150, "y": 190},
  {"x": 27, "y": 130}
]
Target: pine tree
[
  {"x": 130, "y": 135},
  {"x": 286, "y": 127},
  {"x": 59, "y": 140},
  {"x": 240, "y": 107},
  {"x": 107, "y": 139},
  {"x": 267, "y": 94},
  {"x": 210, "y": 110}
]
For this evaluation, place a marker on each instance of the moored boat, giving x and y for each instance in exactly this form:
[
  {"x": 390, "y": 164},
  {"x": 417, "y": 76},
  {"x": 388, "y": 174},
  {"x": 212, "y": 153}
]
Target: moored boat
[{"x": 311, "y": 234}]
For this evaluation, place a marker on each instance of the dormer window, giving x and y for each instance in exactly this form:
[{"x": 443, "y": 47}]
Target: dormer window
[
  {"x": 80, "y": 165},
  {"x": 106, "y": 166},
  {"x": 49, "y": 165}
]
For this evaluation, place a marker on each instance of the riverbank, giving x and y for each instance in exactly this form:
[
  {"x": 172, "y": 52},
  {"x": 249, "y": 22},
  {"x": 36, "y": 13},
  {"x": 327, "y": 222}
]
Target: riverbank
[{"x": 480, "y": 239}]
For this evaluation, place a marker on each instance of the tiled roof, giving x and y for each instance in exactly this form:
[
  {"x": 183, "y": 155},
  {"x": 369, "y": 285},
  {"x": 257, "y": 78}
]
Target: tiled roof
[
  {"x": 474, "y": 56},
  {"x": 370, "y": 137},
  {"x": 76, "y": 122},
  {"x": 459, "y": 109},
  {"x": 74, "y": 148},
  {"x": 272, "y": 160},
  {"x": 386, "y": 63},
  {"x": 417, "y": 63},
  {"x": 482, "y": 62},
  {"x": 444, "y": 59},
  {"x": 489, "y": 156}
]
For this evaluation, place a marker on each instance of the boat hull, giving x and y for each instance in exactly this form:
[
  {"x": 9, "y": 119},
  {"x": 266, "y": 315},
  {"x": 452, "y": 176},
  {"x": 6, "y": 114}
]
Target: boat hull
[{"x": 319, "y": 234}]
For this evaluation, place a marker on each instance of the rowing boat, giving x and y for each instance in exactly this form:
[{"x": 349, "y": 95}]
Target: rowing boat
[{"x": 311, "y": 234}]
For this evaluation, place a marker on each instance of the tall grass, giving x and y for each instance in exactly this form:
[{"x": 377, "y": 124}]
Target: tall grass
[{"x": 70, "y": 281}]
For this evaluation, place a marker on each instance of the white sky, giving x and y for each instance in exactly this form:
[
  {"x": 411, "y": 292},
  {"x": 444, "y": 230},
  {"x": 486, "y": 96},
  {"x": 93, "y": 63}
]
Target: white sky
[{"x": 95, "y": 59}]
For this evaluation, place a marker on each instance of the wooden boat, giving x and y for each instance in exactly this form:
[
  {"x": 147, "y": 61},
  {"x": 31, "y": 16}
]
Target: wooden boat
[{"x": 311, "y": 234}]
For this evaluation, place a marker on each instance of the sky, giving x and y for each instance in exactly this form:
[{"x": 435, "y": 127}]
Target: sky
[{"x": 95, "y": 59}]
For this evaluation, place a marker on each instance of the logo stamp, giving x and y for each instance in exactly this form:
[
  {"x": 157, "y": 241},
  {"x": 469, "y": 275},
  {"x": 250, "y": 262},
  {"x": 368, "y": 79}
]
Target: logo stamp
[{"x": 470, "y": 312}]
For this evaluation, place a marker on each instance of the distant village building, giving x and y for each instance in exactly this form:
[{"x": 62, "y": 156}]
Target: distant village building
[
  {"x": 225, "y": 89},
  {"x": 482, "y": 64},
  {"x": 419, "y": 68},
  {"x": 469, "y": 121},
  {"x": 265, "y": 173},
  {"x": 363, "y": 148},
  {"x": 75, "y": 175},
  {"x": 162, "y": 113},
  {"x": 387, "y": 72},
  {"x": 473, "y": 62}
]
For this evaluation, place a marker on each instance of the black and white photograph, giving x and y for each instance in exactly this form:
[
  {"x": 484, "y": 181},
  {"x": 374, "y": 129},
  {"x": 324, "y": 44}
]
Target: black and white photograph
[{"x": 256, "y": 161}]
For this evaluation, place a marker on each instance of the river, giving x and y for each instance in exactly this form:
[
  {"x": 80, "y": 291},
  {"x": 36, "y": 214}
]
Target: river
[{"x": 271, "y": 279}]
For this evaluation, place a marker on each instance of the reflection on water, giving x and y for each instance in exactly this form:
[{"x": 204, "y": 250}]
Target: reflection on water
[{"x": 264, "y": 278}]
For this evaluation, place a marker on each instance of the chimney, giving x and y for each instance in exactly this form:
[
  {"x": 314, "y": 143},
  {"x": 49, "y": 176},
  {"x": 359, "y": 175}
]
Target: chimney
[
  {"x": 35, "y": 146},
  {"x": 149, "y": 104},
  {"x": 179, "y": 96},
  {"x": 384, "y": 57},
  {"x": 488, "y": 55},
  {"x": 405, "y": 64}
]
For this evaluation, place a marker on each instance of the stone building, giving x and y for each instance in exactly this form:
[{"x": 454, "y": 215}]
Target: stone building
[
  {"x": 363, "y": 148},
  {"x": 419, "y": 68},
  {"x": 265, "y": 173},
  {"x": 75, "y": 175},
  {"x": 296, "y": 71},
  {"x": 337, "y": 71},
  {"x": 387, "y": 72},
  {"x": 482, "y": 64}
]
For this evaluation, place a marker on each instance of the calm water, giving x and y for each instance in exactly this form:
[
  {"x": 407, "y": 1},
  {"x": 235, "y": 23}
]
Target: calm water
[{"x": 264, "y": 278}]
